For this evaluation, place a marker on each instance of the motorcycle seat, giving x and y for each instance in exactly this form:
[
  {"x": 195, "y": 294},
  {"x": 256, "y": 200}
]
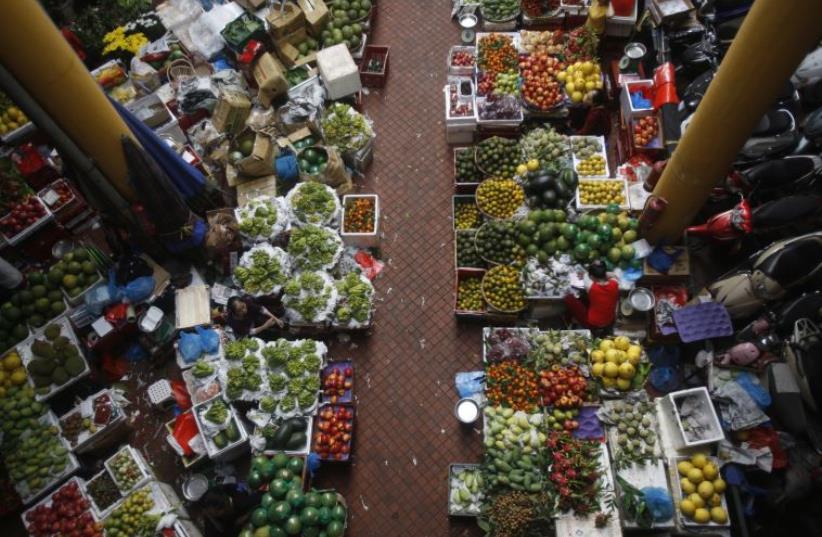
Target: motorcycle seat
[
  {"x": 772, "y": 123},
  {"x": 778, "y": 171}
]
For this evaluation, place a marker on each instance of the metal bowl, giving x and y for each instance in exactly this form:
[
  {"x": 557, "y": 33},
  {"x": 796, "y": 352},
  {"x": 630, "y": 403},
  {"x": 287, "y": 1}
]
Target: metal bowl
[
  {"x": 63, "y": 247},
  {"x": 642, "y": 299},
  {"x": 467, "y": 402},
  {"x": 468, "y": 21}
]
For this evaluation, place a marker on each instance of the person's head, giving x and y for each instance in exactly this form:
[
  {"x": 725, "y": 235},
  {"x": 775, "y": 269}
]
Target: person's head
[
  {"x": 597, "y": 270},
  {"x": 237, "y": 307},
  {"x": 216, "y": 503}
]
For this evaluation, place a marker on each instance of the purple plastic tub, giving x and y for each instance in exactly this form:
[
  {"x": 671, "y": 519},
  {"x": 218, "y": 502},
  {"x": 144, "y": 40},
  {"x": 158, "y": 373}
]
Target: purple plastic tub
[
  {"x": 703, "y": 321},
  {"x": 590, "y": 428}
]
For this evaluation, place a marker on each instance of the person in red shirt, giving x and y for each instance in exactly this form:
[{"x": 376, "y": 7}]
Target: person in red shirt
[{"x": 603, "y": 294}]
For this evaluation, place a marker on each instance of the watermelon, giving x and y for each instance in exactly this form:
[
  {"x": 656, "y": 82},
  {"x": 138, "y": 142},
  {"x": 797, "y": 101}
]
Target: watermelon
[{"x": 259, "y": 517}]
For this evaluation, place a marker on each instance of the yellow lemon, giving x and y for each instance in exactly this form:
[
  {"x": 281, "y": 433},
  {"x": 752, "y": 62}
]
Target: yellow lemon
[
  {"x": 577, "y": 96},
  {"x": 705, "y": 489},
  {"x": 522, "y": 169},
  {"x": 598, "y": 356},
  {"x": 606, "y": 344},
  {"x": 687, "y": 507},
  {"x": 612, "y": 371},
  {"x": 687, "y": 486},
  {"x": 719, "y": 515},
  {"x": 597, "y": 368},
  {"x": 621, "y": 357},
  {"x": 697, "y": 499},
  {"x": 699, "y": 460},
  {"x": 533, "y": 165},
  {"x": 715, "y": 501},
  {"x": 634, "y": 353},
  {"x": 570, "y": 88},
  {"x": 18, "y": 377},
  {"x": 587, "y": 67},
  {"x": 608, "y": 382},
  {"x": 695, "y": 475},
  {"x": 623, "y": 384},
  {"x": 12, "y": 361},
  {"x": 590, "y": 85},
  {"x": 719, "y": 485},
  {"x": 702, "y": 516},
  {"x": 709, "y": 471},
  {"x": 622, "y": 343},
  {"x": 626, "y": 371},
  {"x": 612, "y": 356},
  {"x": 684, "y": 467}
]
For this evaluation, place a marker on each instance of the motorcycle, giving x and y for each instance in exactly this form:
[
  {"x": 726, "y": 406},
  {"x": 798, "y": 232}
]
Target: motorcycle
[
  {"x": 781, "y": 267},
  {"x": 779, "y": 321},
  {"x": 742, "y": 219},
  {"x": 771, "y": 179}
]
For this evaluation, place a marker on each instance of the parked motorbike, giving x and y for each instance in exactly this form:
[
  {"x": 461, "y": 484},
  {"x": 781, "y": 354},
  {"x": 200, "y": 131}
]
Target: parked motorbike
[
  {"x": 743, "y": 219},
  {"x": 781, "y": 267},
  {"x": 771, "y": 179},
  {"x": 779, "y": 321}
]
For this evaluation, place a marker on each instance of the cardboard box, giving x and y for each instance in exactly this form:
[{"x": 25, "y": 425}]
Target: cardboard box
[
  {"x": 260, "y": 161},
  {"x": 231, "y": 111},
  {"x": 316, "y": 15},
  {"x": 262, "y": 186},
  {"x": 270, "y": 77},
  {"x": 251, "y": 5},
  {"x": 287, "y": 21},
  {"x": 287, "y": 49}
]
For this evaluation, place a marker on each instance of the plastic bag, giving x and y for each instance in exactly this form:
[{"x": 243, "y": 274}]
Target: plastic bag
[
  {"x": 190, "y": 346},
  {"x": 469, "y": 382},
  {"x": 209, "y": 339},
  {"x": 97, "y": 298},
  {"x": 759, "y": 394},
  {"x": 180, "y": 392},
  {"x": 136, "y": 353},
  {"x": 659, "y": 503},
  {"x": 185, "y": 428},
  {"x": 205, "y": 40},
  {"x": 664, "y": 379},
  {"x": 139, "y": 289}
]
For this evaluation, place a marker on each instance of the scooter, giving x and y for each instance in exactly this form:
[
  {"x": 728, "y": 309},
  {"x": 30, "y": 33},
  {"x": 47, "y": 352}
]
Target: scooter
[
  {"x": 779, "y": 321},
  {"x": 742, "y": 219},
  {"x": 771, "y": 179},
  {"x": 811, "y": 141},
  {"x": 781, "y": 267}
]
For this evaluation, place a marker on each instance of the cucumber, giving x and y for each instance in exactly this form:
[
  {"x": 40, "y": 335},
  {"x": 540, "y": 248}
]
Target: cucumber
[
  {"x": 296, "y": 441},
  {"x": 516, "y": 478},
  {"x": 502, "y": 466},
  {"x": 535, "y": 487},
  {"x": 282, "y": 436}
]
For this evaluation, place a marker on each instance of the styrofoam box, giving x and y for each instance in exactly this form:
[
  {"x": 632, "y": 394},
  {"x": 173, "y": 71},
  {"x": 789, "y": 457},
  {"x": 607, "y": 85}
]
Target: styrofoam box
[
  {"x": 138, "y": 460},
  {"x": 461, "y": 70},
  {"x": 681, "y": 440},
  {"x": 624, "y": 205},
  {"x": 676, "y": 483},
  {"x": 620, "y": 26},
  {"x": 361, "y": 240},
  {"x": 452, "y": 474},
  {"x": 338, "y": 71},
  {"x": 229, "y": 450},
  {"x": 453, "y": 121},
  {"x": 513, "y": 122},
  {"x": 626, "y": 105}
]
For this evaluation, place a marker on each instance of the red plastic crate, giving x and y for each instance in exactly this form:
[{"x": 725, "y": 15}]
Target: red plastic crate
[{"x": 369, "y": 78}]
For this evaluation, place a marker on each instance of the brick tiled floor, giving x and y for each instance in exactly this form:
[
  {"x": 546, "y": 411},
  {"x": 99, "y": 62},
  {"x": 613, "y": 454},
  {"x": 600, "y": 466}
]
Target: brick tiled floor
[{"x": 406, "y": 432}]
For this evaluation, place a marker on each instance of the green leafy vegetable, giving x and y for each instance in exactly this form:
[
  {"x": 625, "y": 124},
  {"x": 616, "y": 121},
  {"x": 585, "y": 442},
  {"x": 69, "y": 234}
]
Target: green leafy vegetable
[{"x": 313, "y": 247}]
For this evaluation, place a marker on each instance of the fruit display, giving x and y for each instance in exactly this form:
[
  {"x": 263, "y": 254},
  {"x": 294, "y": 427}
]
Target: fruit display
[
  {"x": 593, "y": 166},
  {"x": 544, "y": 144},
  {"x": 563, "y": 387},
  {"x": 286, "y": 435},
  {"x": 499, "y": 197},
  {"x": 345, "y": 128},
  {"x": 13, "y": 188},
  {"x": 549, "y": 189},
  {"x": 632, "y": 431},
  {"x": 562, "y": 420},
  {"x": 344, "y": 25},
  {"x": 581, "y": 44},
  {"x": 284, "y": 471},
  {"x": 469, "y": 294},
  {"x": 309, "y": 45},
  {"x": 37, "y": 459},
  {"x": 467, "y": 254},
  {"x": 466, "y": 485},
  {"x": 511, "y": 385},
  {"x": 338, "y": 383},
  {"x": 546, "y": 42},
  {"x": 333, "y": 433},
  {"x": 465, "y": 167},
  {"x": 582, "y": 80},
  {"x": 576, "y": 473},
  {"x": 512, "y": 443},
  {"x": 496, "y": 53},
  {"x": 59, "y": 188},
  {"x": 516, "y": 512},
  {"x": 75, "y": 272},
  {"x": 645, "y": 130},
  {"x": 286, "y": 510},
  {"x": 618, "y": 364},
  {"x": 65, "y": 512},
  {"x": 360, "y": 215},
  {"x": 506, "y": 343},
  {"x": 502, "y": 288},
  {"x": 499, "y": 10},
  {"x": 460, "y": 103},
  {"x": 558, "y": 348},
  {"x": 20, "y": 409},
  {"x": 133, "y": 517},
  {"x": 313, "y": 203},
  {"x": 542, "y": 234},
  {"x": 53, "y": 359},
  {"x": 586, "y": 146},
  {"x": 496, "y": 242},
  {"x": 540, "y": 89},
  {"x": 103, "y": 491},
  {"x": 498, "y": 107},
  {"x": 602, "y": 192},
  {"x": 11, "y": 117},
  {"x": 355, "y": 300},
  {"x": 313, "y": 160},
  {"x": 262, "y": 270},
  {"x": 314, "y": 247},
  {"x": 21, "y": 216},
  {"x": 309, "y": 297},
  {"x": 507, "y": 83},
  {"x": 81, "y": 424},
  {"x": 702, "y": 490},
  {"x": 262, "y": 218},
  {"x": 462, "y": 58},
  {"x": 486, "y": 83},
  {"x": 466, "y": 215},
  {"x": 125, "y": 470},
  {"x": 497, "y": 156},
  {"x": 34, "y": 305}
]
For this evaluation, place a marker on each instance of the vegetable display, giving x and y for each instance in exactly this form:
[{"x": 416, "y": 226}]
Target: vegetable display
[
  {"x": 499, "y": 197},
  {"x": 345, "y": 128},
  {"x": 355, "y": 301},
  {"x": 309, "y": 296},
  {"x": 261, "y": 218},
  {"x": 314, "y": 247},
  {"x": 262, "y": 270},
  {"x": 313, "y": 203},
  {"x": 502, "y": 288},
  {"x": 498, "y": 156}
]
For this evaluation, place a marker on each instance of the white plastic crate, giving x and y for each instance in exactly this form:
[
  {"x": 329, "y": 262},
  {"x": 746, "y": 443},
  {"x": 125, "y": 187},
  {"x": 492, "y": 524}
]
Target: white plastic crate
[
  {"x": 620, "y": 26},
  {"x": 713, "y": 429},
  {"x": 159, "y": 393},
  {"x": 468, "y": 119},
  {"x": 339, "y": 73},
  {"x": 461, "y": 70},
  {"x": 141, "y": 465},
  {"x": 361, "y": 240},
  {"x": 626, "y": 105}
]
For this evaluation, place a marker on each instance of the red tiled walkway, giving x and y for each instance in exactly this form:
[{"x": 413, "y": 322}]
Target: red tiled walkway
[{"x": 406, "y": 432}]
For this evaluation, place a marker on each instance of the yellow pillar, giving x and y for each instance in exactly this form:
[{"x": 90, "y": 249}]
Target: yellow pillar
[
  {"x": 775, "y": 37},
  {"x": 41, "y": 60}
]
